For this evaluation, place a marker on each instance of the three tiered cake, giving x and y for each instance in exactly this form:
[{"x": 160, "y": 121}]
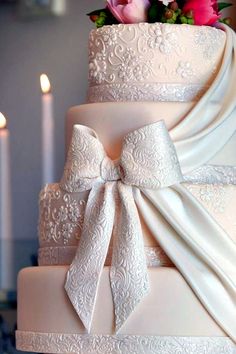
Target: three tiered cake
[{"x": 137, "y": 241}]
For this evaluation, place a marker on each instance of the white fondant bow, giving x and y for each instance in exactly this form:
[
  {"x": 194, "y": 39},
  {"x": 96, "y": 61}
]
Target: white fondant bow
[{"x": 148, "y": 160}]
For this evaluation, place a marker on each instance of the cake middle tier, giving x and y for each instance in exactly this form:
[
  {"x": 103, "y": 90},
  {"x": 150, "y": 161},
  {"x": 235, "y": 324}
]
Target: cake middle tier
[
  {"x": 113, "y": 120},
  {"x": 62, "y": 215}
]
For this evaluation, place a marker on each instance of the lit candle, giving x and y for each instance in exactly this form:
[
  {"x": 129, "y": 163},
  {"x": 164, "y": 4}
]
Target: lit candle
[
  {"x": 6, "y": 242},
  {"x": 47, "y": 131}
]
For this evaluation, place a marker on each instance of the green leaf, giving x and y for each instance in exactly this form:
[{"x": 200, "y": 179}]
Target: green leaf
[
  {"x": 183, "y": 19},
  {"x": 153, "y": 13},
  {"x": 223, "y": 5}
]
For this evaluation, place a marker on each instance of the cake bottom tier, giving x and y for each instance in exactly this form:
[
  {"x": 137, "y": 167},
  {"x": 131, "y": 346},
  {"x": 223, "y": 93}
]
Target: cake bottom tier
[{"x": 169, "y": 320}]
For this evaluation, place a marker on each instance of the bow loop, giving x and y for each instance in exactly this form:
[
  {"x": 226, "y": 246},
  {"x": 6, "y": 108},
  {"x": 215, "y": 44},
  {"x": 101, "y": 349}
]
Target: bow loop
[
  {"x": 149, "y": 159},
  {"x": 85, "y": 155}
]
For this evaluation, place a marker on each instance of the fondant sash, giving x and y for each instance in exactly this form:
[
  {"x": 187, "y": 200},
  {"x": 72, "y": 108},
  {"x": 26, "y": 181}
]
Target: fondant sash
[
  {"x": 204, "y": 254},
  {"x": 205, "y": 130}
]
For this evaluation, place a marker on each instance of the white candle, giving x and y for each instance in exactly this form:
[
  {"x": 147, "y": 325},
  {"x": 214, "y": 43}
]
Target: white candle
[
  {"x": 6, "y": 241},
  {"x": 47, "y": 131},
  {"x": 59, "y": 7}
]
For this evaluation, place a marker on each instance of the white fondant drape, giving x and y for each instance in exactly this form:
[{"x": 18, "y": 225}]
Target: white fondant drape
[
  {"x": 200, "y": 249},
  {"x": 205, "y": 130}
]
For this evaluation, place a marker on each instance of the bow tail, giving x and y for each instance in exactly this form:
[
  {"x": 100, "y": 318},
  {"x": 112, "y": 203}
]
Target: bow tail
[
  {"x": 128, "y": 274},
  {"x": 84, "y": 273}
]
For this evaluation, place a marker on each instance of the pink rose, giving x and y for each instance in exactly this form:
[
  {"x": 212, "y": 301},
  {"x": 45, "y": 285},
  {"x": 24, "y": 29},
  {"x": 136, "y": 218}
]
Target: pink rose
[
  {"x": 129, "y": 11},
  {"x": 205, "y": 12}
]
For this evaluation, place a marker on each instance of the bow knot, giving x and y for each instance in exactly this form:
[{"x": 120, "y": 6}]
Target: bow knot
[
  {"x": 110, "y": 170},
  {"x": 148, "y": 160}
]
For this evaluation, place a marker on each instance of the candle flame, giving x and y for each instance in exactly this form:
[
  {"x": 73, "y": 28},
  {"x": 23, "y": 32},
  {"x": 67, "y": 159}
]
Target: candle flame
[
  {"x": 45, "y": 83},
  {"x": 3, "y": 121}
]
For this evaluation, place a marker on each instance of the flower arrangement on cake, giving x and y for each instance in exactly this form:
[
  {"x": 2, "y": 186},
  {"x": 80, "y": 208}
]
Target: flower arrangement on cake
[{"x": 192, "y": 12}]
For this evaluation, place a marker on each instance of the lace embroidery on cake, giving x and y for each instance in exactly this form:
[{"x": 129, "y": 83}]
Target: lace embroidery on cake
[
  {"x": 185, "y": 70},
  {"x": 121, "y": 344},
  {"x": 132, "y": 67},
  {"x": 155, "y": 256},
  {"x": 212, "y": 180},
  {"x": 141, "y": 55},
  {"x": 212, "y": 174},
  {"x": 164, "y": 92},
  {"x": 61, "y": 216},
  {"x": 218, "y": 200},
  {"x": 214, "y": 196},
  {"x": 208, "y": 41},
  {"x": 148, "y": 160},
  {"x": 162, "y": 38},
  {"x": 97, "y": 68}
]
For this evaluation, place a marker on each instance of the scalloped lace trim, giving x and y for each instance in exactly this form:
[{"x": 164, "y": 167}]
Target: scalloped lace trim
[{"x": 121, "y": 344}]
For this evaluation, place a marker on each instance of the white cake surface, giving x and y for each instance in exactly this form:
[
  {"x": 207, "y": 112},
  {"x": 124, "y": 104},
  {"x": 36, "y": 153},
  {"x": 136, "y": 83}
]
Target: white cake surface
[
  {"x": 113, "y": 120},
  {"x": 44, "y": 306}
]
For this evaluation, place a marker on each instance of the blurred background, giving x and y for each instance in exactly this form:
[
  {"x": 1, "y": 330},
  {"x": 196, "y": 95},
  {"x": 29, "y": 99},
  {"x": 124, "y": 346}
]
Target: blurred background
[
  {"x": 29, "y": 46},
  {"x": 39, "y": 36},
  {"x": 36, "y": 37}
]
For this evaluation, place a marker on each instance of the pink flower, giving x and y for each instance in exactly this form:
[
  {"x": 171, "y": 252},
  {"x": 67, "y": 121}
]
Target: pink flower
[
  {"x": 129, "y": 11},
  {"x": 205, "y": 12}
]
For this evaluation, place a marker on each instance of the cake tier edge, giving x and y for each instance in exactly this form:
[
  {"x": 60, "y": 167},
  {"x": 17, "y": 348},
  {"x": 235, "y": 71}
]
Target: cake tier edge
[{"x": 43, "y": 306}]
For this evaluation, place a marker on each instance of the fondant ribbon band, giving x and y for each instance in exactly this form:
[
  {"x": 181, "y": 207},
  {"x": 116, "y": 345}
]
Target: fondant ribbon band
[
  {"x": 148, "y": 160},
  {"x": 117, "y": 344},
  {"x": 156, "y": 92},
  {"x": 64, "y": 255}
]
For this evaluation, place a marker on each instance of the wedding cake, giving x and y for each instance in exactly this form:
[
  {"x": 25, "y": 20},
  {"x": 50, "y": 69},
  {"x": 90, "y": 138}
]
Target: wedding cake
[{"x": 137, "y": 241}]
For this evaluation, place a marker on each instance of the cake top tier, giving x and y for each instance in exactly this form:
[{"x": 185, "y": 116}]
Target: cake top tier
[{"x": 153, "y": 62}]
